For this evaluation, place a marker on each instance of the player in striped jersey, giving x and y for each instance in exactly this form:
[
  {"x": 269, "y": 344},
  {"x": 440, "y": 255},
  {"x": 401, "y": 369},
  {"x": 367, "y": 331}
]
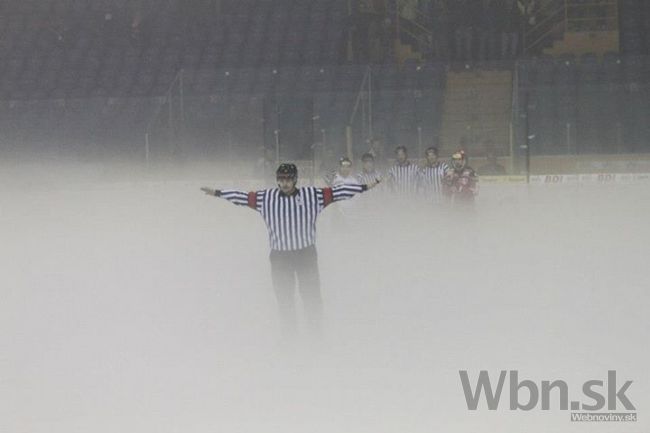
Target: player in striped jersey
[
  {"x": 403, "y": 176},
  {"x": 368, "y": 171},
  {"x": 431, "y": 180},
  {"x": 290, "y": 215},
  {"x": 343, "y": 176}
]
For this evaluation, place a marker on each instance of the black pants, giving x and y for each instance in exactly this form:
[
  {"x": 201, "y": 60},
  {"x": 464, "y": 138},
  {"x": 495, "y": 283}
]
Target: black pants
[{"x": 286, "y": 268}]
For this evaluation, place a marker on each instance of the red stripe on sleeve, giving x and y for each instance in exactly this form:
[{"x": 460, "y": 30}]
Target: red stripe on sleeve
[
  {"x": 252, "y": 199},
  {"x": 327, "y": 196}
]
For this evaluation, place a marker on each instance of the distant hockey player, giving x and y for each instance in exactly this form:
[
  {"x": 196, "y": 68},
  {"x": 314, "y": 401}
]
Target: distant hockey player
[
  {"x": 343, "y": 212},
  {"x": 368, "y": 171},
  {"x": 403, "y": 176},
  {"x": 290, "y": 215},
  {"x": 432, "y": 176},
  {"x": 344, "y": 174},
  {"x": 461, "y": 181}
]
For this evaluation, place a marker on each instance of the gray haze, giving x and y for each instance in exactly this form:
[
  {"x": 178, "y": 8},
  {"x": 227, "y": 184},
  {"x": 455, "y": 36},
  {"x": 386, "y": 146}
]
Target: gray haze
[{"x": 132, "y": 302}]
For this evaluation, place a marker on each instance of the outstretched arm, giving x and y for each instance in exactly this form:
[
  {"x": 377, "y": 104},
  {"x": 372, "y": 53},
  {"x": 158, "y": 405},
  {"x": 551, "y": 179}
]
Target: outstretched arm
[
  {"x": 344, "y": 192},
  {"x": 240, "y": 198},
  {"x": 347, "y": 191}
]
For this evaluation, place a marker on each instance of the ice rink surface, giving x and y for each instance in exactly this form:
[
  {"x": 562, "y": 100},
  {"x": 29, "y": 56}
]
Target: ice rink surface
[{"x": 146, "y": 306}]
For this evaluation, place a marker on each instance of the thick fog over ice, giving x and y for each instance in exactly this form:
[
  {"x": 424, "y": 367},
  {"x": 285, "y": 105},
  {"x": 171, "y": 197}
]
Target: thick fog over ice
[{"x": 134, "y": 302}]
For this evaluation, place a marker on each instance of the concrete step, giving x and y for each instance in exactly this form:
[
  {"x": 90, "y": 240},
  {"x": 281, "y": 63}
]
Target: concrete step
[
  {"x": 477, "y": 107},
  {"x": 579, "y": 43}
]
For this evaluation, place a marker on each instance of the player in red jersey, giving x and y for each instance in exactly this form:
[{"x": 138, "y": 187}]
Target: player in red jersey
[{"x": 461, "y": 181}]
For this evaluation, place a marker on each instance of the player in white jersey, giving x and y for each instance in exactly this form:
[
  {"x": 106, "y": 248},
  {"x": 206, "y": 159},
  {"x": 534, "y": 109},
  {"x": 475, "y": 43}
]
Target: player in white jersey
[
  {"x": 431, "y": 177},
  {"x": 343, "y": 175},
  {"x": 403, "y": 176},
  {"x": 343, "y": 212},
  {"x": 290, "y": 215}
]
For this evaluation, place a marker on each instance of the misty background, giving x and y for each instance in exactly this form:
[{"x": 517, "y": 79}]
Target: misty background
[
  {"x": 129, "y": 300},
  {"x": 146, "y": 305}
]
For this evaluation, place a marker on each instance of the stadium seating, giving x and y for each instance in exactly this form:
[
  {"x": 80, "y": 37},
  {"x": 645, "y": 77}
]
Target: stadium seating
[
  {"x": 587, "y": 105},
  {"x": 64, "y": 48},
  {"x": 635, "y": 26},
  {"x": 96, "y": 72}
]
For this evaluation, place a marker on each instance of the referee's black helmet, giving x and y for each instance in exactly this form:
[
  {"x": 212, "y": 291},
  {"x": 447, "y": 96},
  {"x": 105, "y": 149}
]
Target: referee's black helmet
[{"x": 288, "y": 171}]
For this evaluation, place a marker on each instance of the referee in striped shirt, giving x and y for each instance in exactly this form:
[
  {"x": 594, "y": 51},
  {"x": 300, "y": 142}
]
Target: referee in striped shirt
[
  {"x": 432, "y": 176},
  {"x": 368, "y": 171},
  {"x": 290, "y": 215},
  {"x": 403, "y": 176}
]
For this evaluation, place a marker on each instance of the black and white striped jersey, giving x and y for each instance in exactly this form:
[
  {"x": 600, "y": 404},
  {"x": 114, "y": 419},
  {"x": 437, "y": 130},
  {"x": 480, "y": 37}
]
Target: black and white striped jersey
[
  {"x": 403, "y": 179},
  {"x": 431, "y": 180},
  {"x": 338, "y": 180},
  {"x": 365, "y": 178},
  {"x": 291, "y": 219}
]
